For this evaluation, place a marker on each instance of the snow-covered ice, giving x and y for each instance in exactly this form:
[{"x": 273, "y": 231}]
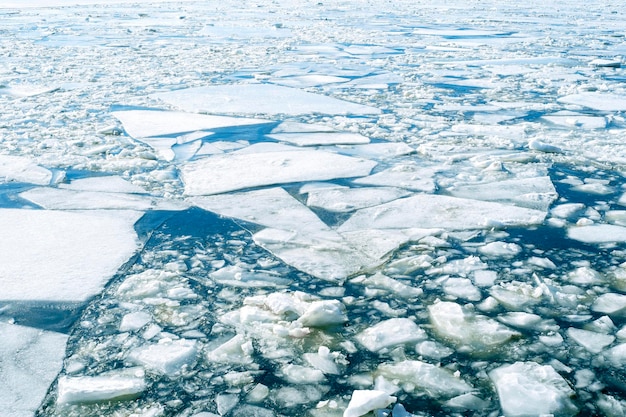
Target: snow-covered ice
[
  {"x": 62, "y": 256},
  {"x": 267, "y": 209}
]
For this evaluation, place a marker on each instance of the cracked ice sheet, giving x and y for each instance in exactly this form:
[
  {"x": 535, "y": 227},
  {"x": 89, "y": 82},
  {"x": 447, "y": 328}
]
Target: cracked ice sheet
[
  {"x": 438, "y": 211},
  {"x": 62, "y": 199},
  {"x": 150, "y": 123},
  {"x": 236, "y": 171},
  {"x": 30, "y": 359},
  {"x": 596, "y": 101},
  {"x": 52, "y": 255},
  {"x": 536, "y": 193},
  {"x": 320, "y": 138},
  {"x": 21, "y": 169},
  {"x": 294, "y": 233},
  {"x": 259, "y": 98}
]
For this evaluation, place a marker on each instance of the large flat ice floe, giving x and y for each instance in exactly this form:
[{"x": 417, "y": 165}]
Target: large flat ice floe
[
  {"x": 219, "y": 174},
  {"x": 30, "y": 359},
  {"x": 21, "y": 169},
  {"x": 53, "y": 255},
  {"x": 438, "y": 211},
  {"x": 150, "y": 123},
  {"x": 259, "y": 99}
]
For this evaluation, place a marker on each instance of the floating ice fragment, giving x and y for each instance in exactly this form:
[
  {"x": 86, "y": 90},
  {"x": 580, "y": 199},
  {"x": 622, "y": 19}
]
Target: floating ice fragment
[
  {"x": 416, "y": 376},
  {"x": 438, "y": 211},
  {"x": 610, "y": 303},
  {"x": 223, "y": 173},
  {"x": 320, "y": 138},
  {"x": 592, "y": 341},
  {"x": 598, "y": 233},
  {"x": 344, "y": 200},
  {"x": 364, "y": 401},
  {"x": 607, "y": 63},
  {"x": 107, "y": 184},
  {"x": 103, "y": 388},
  {"x": 134, "y": 321},
  {"x": 324, "y": 313},
  {"x": 467, "y": 401},
  {"x": 322, "y": 360},
  {"x": 576, "y": 120},
  {"x": 397, "y": 288},
  {"x": 465, "y": 329},
  {"x": 259, "y": 98},
  {"x": 63, "y": 199},
  {"x": 461, "y": 288},
  {"x": 537, "y": 145},
  {"x": 168, "y": 357},
  {"x": 528, "y": 389},
  {"x": 389, "y": 333},
  {"x": 596, "y": 101},
  {"x": 30, "y": 359},
  {"x": 409, "y": 176},
  {"x": 377, "y": 151},
  {"x": 528, "y": 321},
  {"x": 500, "y": 249},
  {"x": 297, "y": 374},
  {"x": 236, "y": 350},
  {"x": 51, "y": 255},
  {"x": 149, "y": 123},
  {"x": 536, "y": 193},
  {"x": 21, "y": 169}
]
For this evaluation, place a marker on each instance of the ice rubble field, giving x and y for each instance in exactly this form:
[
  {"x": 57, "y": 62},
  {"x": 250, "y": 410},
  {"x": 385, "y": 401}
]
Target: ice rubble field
[{"x": 299, "y": 208}]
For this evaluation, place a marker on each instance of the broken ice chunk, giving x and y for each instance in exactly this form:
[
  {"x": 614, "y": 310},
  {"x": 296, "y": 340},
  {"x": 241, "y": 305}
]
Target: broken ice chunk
[
  {"x": 324, "y": 313},
  {"x": 30, "y": 359},
  {"x": 611, "y": 304},
  {"x": 598, "y": 233},
  {"x": 345, "y": 200},
  {"x": 409, "y": 176},
  {"x": 479, "y": 334},
  {"x": 223, "y": 173},
  {"x": 417, "y": 376},
  {"x": 320, "y": 138},
  {"x": 592, "y": 341},
  {"x": 147, "y": 123},
  {"x": 52, "y": 255},
  {"x": 236, "y": 350},
  {"x": 439, "y": 211},
  {"x": 21, "y": 169},
  {"x": 528, "y": 389},
  {"x": 95, "y": 389},
  {"x": 461, "y": 288},
  {"x": 536, "y": 193},
  {"x": 134, "y": 321},
  {"x": 259, "y": 98},
  {"x": 297, "y": 374},
  {"x": 389, "y": 333},
  {"x": 597, "y": 101},
  {"x": 322, "y": 360},
  {"x": 364, "y": 401},
  {"x": 168, "y": 357},
  {"x": 108, "y": 184}
]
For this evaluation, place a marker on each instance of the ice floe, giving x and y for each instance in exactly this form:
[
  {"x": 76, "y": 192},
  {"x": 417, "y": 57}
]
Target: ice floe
[
  {"x": 390, "y": 333},
  {"x": 219, "y": 174},
  {"x": 530, "y": 389},
  {"x": 151, "y": 123},
  {"x": 102, "y": 388},
  {"x": 364, "y": 401},
  {"x": 597, "y": 101},
  {"x": 259, "y": 99},
  {"x": 438, "y": 211},
  {"x": 54, "y": 255},
  {"x": 21, "y": 169},
  {"x": 30, "y": 359}
]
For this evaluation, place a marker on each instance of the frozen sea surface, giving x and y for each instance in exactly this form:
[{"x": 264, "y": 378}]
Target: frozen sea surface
[{"x": 312, "y": 209}]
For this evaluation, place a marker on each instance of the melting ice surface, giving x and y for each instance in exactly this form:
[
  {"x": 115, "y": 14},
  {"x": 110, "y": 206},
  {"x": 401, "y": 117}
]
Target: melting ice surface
[{"x": 253, "y": 209}]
